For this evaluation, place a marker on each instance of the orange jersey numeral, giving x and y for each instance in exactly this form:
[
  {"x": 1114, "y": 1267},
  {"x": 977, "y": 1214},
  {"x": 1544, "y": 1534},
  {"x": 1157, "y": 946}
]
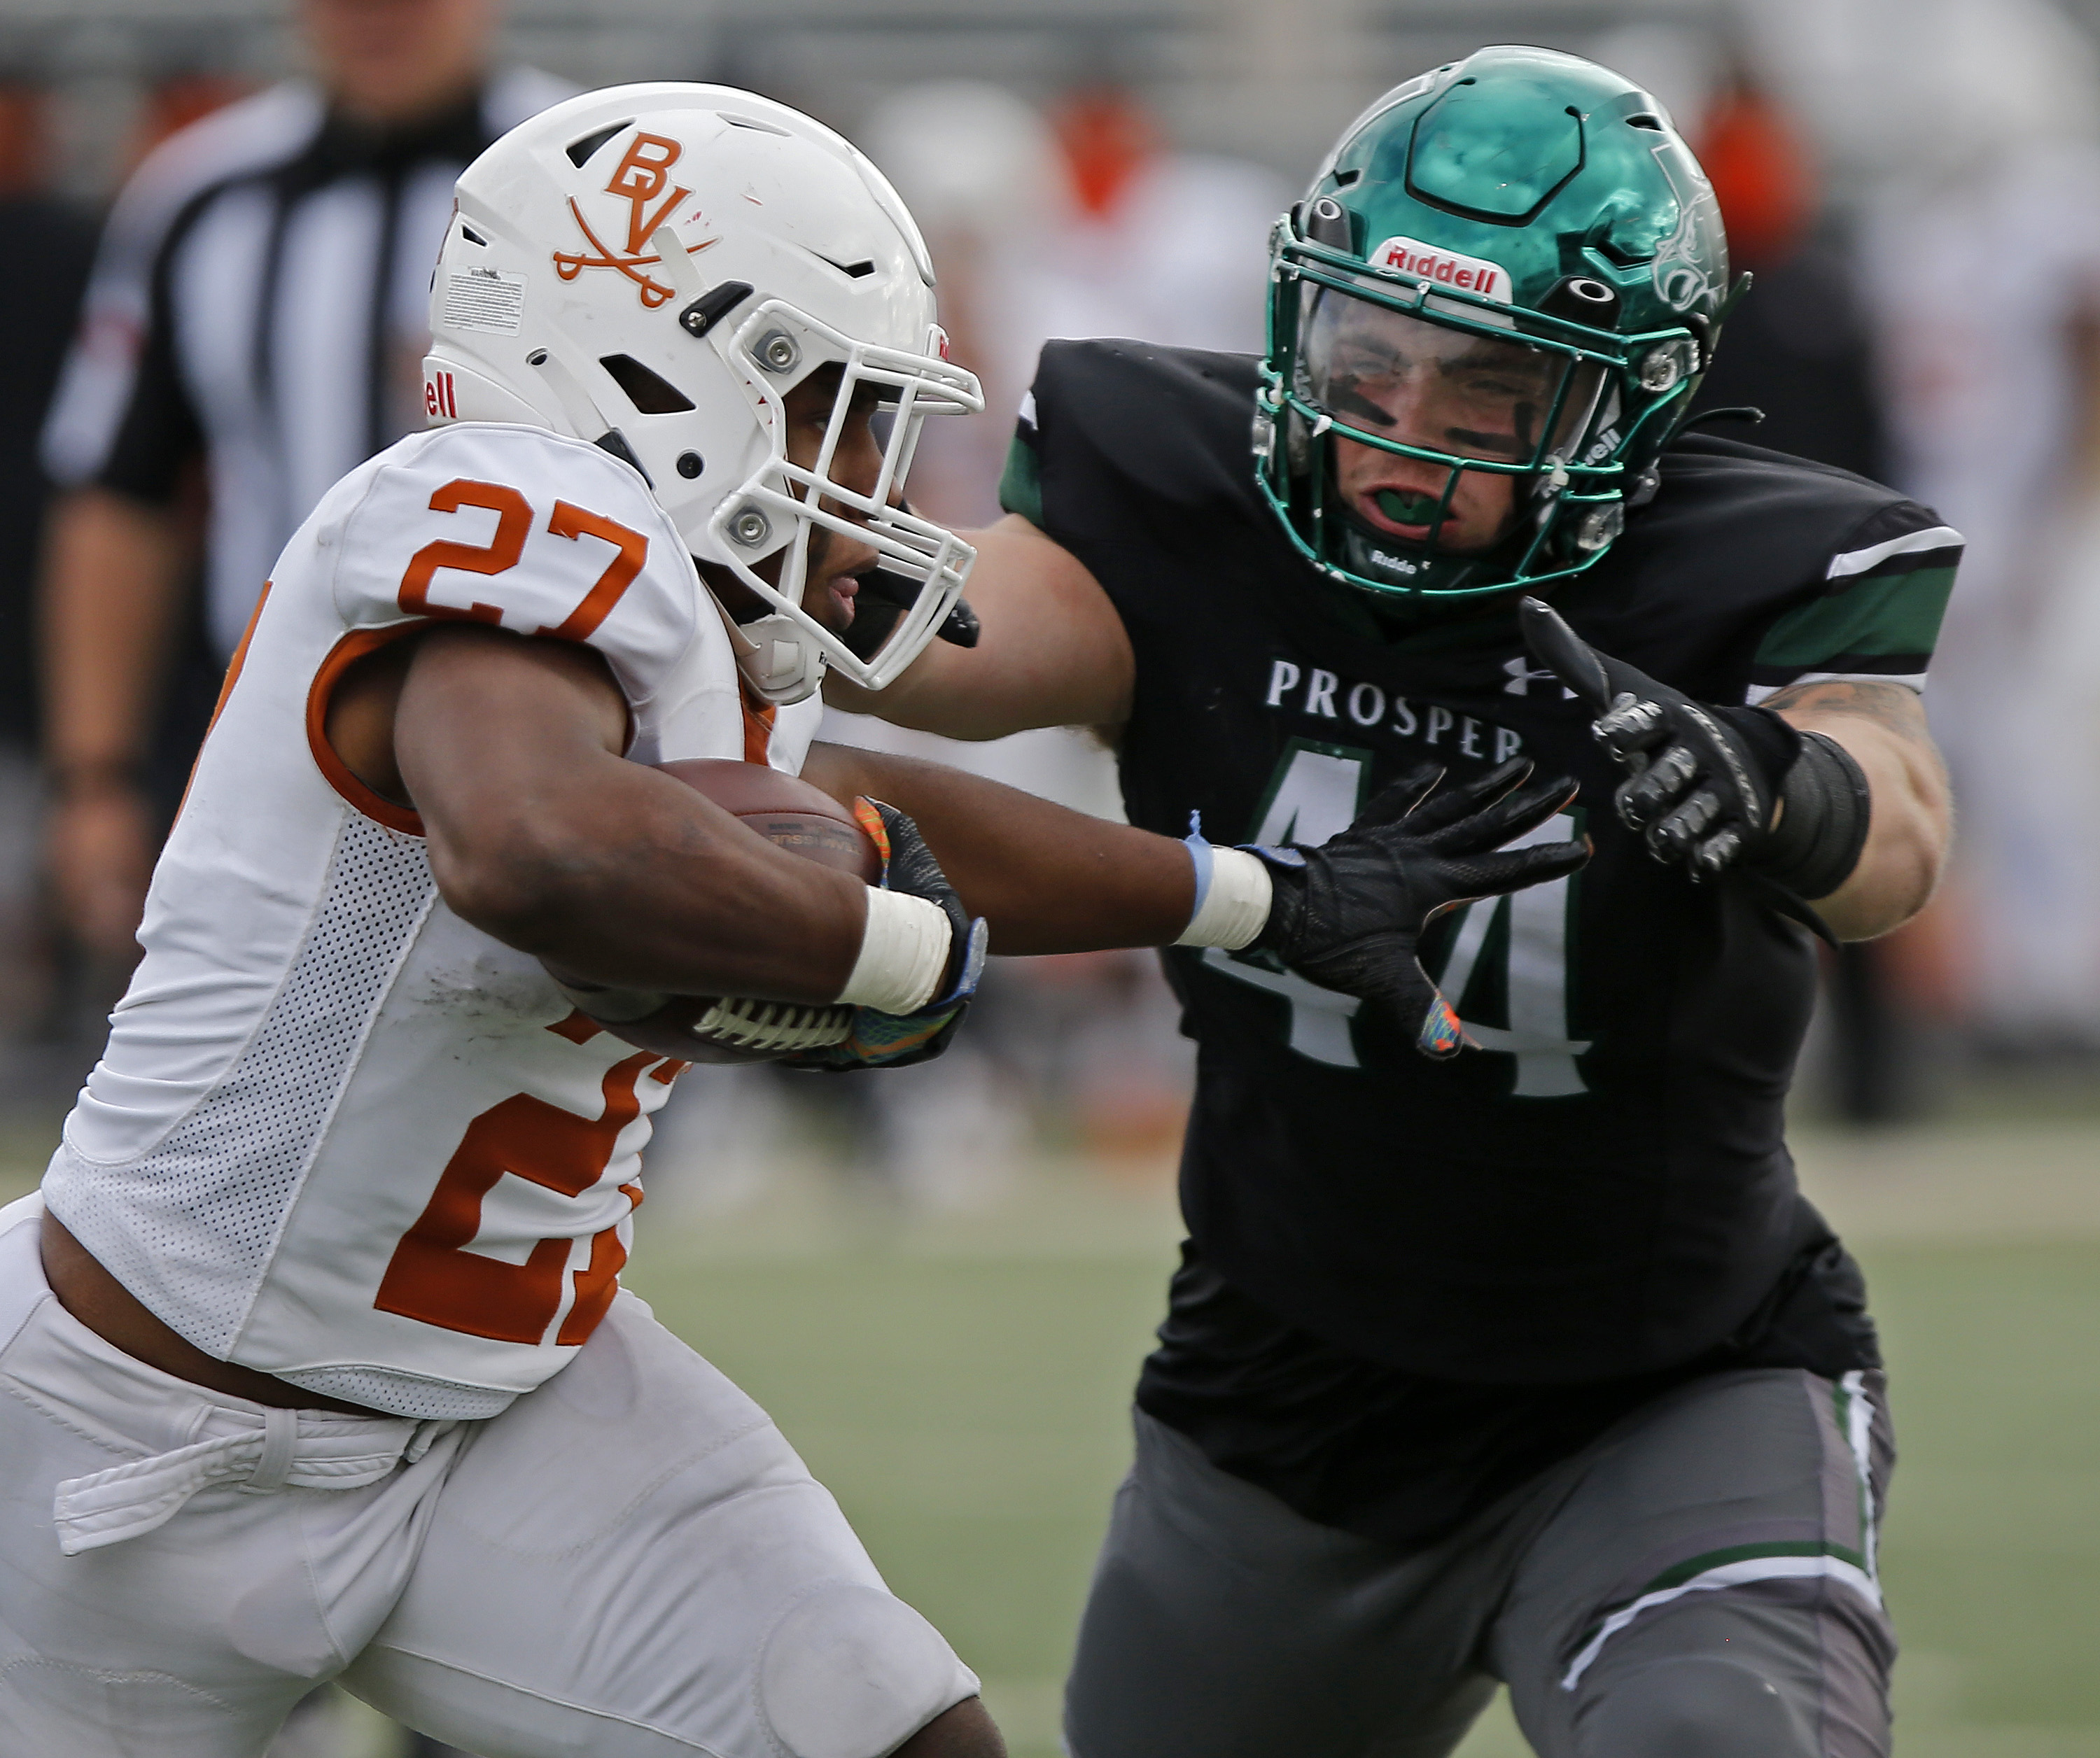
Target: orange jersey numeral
[
  {"x": 502, "y": 552},
  {"x": 432, "y": 1276},
  {"x": 498, "y": 556}
]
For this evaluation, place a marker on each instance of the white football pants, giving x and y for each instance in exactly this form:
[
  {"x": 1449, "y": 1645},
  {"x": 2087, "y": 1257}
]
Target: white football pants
[{"x": 629, "y": 1562}]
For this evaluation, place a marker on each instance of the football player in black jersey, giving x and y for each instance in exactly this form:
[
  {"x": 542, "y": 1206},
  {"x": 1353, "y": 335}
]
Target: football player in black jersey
[{"x": 1527, "y": 1362}]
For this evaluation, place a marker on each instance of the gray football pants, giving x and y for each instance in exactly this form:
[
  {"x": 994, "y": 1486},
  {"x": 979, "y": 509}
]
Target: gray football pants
[{"x": 1697, "y": 1583}]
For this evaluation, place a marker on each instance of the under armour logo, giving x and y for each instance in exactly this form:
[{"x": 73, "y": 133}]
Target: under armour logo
[
  {"x": 639, "y": 179},
  {"x": 1521, "y": 676}
]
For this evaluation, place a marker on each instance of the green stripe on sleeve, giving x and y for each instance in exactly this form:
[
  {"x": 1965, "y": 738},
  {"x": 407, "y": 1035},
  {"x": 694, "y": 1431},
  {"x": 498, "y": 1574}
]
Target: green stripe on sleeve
[
  {"x": 1890, "y": 614},
  {"x": 1020, "y": 487}
]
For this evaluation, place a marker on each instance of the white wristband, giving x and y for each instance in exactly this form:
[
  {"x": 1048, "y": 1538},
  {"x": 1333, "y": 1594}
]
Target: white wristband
[
  {"x": 1233, "y": 906},
  {"x": 903, "y": 954}
]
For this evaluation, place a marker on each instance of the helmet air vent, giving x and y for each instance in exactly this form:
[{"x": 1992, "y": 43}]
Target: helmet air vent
[
  {"x": 581, "y": 150},
  {"x": 753, "y": 122},
  {"x": 1646, "y": 119},
  {"x": 855, "y": 270},
  {"x": 650, "y": 392},
  {"x": 471, "y": 236},
  {"x": 1349, "y": 178}
]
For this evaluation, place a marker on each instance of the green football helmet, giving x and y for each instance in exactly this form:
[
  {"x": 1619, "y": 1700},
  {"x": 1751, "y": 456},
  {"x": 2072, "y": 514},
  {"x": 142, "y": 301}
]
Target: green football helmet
[{"x": 1503, "y": 286}]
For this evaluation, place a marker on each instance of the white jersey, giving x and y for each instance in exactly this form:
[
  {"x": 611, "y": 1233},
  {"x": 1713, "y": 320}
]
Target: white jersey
[{"x": 339, "y": 1134}]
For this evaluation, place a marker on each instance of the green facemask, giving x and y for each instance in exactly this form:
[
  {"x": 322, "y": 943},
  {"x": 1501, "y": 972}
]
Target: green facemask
[{"x": 1484, "y": 320}]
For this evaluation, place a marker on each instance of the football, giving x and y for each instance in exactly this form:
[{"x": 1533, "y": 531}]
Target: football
[{"x": 791, "y": 814}]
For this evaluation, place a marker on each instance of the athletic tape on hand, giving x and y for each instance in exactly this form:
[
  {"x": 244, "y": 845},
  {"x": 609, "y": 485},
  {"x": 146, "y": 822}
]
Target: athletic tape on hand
[
  {"x": 903, "y": 954},
  {"x": 1232, "y": 906}
]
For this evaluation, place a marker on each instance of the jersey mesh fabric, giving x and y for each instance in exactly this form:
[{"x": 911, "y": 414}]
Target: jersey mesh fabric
[
  {"x": 189, "y": 1227},
  {"x": 404, "y": 1394}
]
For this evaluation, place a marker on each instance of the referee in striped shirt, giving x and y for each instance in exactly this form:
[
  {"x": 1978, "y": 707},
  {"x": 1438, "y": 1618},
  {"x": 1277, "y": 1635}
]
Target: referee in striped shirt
[{"x": 254, "y": 328}]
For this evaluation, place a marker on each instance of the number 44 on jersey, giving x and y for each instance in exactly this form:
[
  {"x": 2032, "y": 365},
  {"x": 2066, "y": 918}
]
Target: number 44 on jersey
[{"x": 1316, "y": 791}]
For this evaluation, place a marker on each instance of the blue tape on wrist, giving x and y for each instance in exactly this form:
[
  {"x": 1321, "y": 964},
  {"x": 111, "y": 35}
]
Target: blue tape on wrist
[{"x": 1200, "y": 852}]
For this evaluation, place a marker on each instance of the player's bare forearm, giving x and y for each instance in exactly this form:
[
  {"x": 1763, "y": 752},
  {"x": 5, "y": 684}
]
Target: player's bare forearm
[
  {"x": 540, "y": 834},
  {"x": 1051, "y": 651},
  {"x": 1912, "y": 821},
  {"x": 1047, "y": 879}
]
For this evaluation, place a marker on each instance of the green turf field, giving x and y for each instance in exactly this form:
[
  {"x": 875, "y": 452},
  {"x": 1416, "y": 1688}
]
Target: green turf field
[
  {"x": 961, "y": 1385},
  {"x": 960, "y": 1381}
]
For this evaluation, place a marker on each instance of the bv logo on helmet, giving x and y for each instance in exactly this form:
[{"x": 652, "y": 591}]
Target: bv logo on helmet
[
  {"x": 639, "y": 179},
  {"x": 1447, "y": 268}
]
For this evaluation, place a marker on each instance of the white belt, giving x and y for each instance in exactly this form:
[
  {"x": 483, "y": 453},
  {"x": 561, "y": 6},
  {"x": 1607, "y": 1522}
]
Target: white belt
[{"x": 268, "y": 1449}]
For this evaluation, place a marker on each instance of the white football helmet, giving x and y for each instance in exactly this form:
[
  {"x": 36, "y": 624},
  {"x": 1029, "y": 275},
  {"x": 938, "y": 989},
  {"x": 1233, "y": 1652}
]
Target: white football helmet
[{"x": 654, "y": 268}]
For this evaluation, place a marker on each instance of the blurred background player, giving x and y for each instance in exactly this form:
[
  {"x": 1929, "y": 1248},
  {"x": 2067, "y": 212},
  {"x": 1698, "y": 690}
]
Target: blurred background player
[
  {"x": 1080, "y": 221},
  {"x": 1989, "y": 412},
  {"x": 253, "y": 329}
]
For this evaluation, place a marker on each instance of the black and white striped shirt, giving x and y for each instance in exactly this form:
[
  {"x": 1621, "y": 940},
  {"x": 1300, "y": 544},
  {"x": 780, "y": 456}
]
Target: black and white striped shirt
[{"x": 259, "y": 305}]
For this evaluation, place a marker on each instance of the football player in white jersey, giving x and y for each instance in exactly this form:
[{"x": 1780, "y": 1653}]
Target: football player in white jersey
[{"x": 316, "y": 1360}]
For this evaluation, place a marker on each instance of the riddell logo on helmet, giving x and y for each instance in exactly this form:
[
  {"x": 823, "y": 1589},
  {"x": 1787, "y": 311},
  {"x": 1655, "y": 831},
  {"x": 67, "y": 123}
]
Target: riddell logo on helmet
[
  {"x": 639, "y": 177},
  {"x": 1447, "y": 268}
]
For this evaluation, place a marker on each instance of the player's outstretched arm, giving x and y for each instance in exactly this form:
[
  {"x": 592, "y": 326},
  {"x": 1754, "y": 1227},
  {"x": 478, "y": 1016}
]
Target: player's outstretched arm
[
  {"x": 1911, "y": 825},
  {"x": 1051, "y": 651},
  {"x": 542, "y": 835},
  {"x": 1047, "y": 879},
  {"x": 1348, "y": 915}
]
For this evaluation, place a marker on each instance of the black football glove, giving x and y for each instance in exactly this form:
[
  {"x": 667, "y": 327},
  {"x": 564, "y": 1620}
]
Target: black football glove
[
  {"x": 1704, "y": 783},
  {"x": 881, "y": 1040},
  {"x": 1349, "y": 914}
]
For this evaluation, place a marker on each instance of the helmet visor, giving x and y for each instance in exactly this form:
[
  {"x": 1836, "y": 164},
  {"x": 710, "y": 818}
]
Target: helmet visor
[{"x": 1413, "y": 383}]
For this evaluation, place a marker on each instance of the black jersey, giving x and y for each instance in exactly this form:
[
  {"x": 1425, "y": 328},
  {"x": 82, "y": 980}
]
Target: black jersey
[{"x": 1604, "y": 1194}]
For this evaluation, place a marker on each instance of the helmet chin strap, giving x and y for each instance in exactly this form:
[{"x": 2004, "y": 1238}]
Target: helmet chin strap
[
  {"x": 1411, "y": 566},
  {"x": 775, "y": 655},
  {"x": 1427, "y": 575},
  {"x": 776, "y": 652}
]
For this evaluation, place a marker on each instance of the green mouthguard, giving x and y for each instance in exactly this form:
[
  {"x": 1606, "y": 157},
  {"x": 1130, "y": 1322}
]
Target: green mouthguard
[{"x": 1407, "y": 508}]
